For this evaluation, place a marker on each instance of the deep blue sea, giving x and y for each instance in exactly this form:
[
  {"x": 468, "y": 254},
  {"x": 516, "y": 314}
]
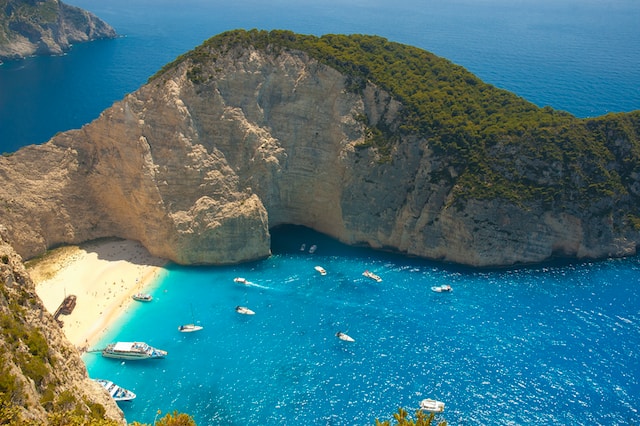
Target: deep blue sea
[
  {"x": 581, "y": 56},
  {"x": 556, "y": 344}
]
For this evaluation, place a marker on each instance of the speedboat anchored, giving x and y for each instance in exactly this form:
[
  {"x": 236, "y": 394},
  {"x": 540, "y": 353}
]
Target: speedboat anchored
[
  {"x": 132, "y": 351},
  {"x": 240, "y": 280},
  {"x": 441, "y": 288},
  {"x": 321, "y": 270},
  {"x": 189, "y": 328},
  {"x": 344, "y": 336},
  {"x": 371, "y": 275},
  {"x": 116, "y": 392},
  {"x": 142, "y": 297},
  {"x": 432, "y": 405},
  {"x": 244, "y": 310}
]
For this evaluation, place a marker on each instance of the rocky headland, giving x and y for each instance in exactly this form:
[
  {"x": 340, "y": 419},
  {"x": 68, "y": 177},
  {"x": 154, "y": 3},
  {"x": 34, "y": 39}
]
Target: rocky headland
[
  {"x": 42, "y": 377},
  {"x": 365, "y": 140},
  {"x": 46, "y": 27}
]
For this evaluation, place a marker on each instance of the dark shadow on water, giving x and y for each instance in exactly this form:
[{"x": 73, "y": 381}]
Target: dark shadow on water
[{"x": 288, "y": 239}]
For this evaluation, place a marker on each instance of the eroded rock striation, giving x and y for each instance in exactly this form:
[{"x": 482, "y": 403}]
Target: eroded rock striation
[
  {"x": 46, "y": 27},
  {"x": 42, "y": 377},
  {"x": 253, "y": 129}
]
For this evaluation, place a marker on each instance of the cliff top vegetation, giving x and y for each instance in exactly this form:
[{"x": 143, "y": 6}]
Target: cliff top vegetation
[{"x": 498, "y": 144}]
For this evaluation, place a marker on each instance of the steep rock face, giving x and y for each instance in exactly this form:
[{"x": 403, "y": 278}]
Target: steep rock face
[
  {"x": 202, "y": 161},
  {"x": 39, "y": 379},
  {"x": 47, "y": 27}
]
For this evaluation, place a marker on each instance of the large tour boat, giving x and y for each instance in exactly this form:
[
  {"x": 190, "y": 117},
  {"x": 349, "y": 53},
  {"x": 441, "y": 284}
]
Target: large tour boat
[{"x": 132, "y": 350}]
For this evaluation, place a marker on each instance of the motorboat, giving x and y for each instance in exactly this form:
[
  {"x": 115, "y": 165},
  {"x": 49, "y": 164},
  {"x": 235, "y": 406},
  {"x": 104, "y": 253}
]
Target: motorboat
[
  {"x": 132, "y": 351},
  {"x": 142, "y": 297},
  {"x": 189, "y": 328},
  {"x": 240, "y": 280},
  {"x": 344, "y": 336},
  {"x": 432, "y": 405},
  {"x": 244, "y": 310},
  {"x": 371, "y": 275},
  {"x": 313, "y": 249},
  {"x": 321, "y": 270},
  {"x": 441, "y": 288},
  {"x": 303, "y": 247},
  {"x": 116, "y": 392}
]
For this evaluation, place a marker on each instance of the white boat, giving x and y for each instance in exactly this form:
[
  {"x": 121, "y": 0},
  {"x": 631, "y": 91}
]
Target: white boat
[
  {"x": 441, "y": 288},
  {"x": 432, "y": 405},
  {"x": 189, "y": 328},
  {"x": 142, "y": 297},
  {"x": 244, "y": 310},
  {"x": 371, "y": 275},
  {"x": 132, "y": 351},
  {"x": 321, "y": 270},
  {"x": 343, "y": 336},
  {"x": 116, "y": 392},
  {"x": 240, "y": 280},
  {"x": 313, "y": 249},
  {"x": 303, "y": 247}
]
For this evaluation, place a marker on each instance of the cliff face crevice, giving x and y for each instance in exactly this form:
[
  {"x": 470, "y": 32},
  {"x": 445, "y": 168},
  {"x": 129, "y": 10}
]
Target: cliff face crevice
[{"x": 199, "y": 163}]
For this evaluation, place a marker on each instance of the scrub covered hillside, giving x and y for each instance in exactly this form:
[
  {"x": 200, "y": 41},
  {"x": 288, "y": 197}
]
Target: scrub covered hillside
[{"x": 498, "y": 144}]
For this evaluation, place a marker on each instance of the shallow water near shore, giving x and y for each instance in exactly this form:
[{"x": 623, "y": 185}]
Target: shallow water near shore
[{"x": 552, "y": 344}]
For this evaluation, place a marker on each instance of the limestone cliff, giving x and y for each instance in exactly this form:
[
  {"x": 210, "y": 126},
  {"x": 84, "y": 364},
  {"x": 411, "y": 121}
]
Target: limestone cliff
[
  {"x": 252, "y": 130},
  {"x": 45, "y": 27},
  {"x": 42, "y": 377}
]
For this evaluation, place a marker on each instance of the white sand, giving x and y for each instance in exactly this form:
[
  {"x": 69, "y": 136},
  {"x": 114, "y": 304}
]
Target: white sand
[{"x": 103, "y": 276}]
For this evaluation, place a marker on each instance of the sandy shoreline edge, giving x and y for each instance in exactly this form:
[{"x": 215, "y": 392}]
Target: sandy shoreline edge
[{"x": 103, "y": 275}]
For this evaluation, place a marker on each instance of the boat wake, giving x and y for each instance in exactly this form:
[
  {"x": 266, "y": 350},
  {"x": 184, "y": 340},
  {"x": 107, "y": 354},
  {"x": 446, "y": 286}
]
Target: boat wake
[{"x": 249, "y": 283}]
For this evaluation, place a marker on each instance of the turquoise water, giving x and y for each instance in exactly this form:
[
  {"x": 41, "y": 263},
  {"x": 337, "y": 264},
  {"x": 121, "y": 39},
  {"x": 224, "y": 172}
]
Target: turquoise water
[
  {"x": 553, "y": 344},
  {"x": 581, "y": 56}
]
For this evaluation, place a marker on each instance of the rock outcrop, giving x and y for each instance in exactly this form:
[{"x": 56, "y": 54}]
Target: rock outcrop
[
  {"x": 234, "y": 139},
  {"x": 46, "y": 27},
  {"x": 42, "y": 377}
]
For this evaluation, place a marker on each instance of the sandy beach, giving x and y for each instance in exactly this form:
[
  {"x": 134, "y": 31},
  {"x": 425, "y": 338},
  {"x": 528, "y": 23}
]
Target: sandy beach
[{"x": 103, "y": 275}]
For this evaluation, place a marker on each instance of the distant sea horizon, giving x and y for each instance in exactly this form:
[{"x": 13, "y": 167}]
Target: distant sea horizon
[
  {"x": 553, "y": 344},
  {"x": 577, "y": 56}
]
